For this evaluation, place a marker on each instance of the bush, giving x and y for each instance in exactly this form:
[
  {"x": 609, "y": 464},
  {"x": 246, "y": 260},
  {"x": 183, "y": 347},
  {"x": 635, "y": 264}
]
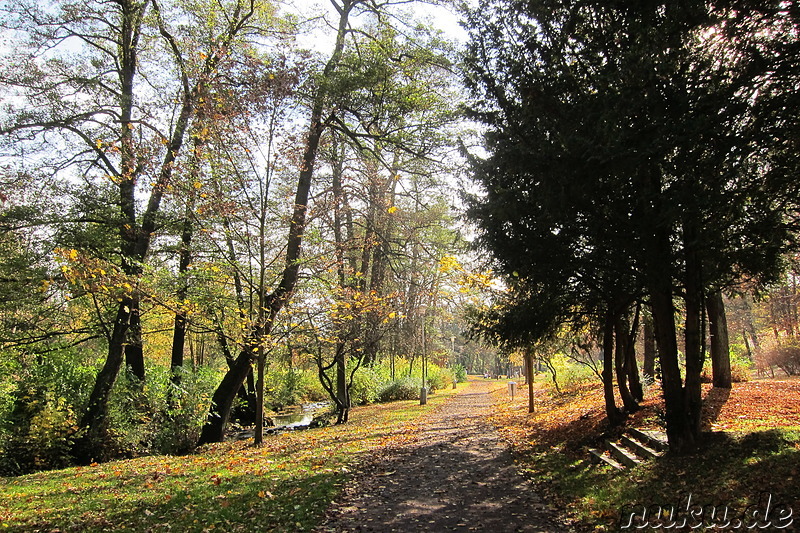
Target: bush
[
  {"x": 460, "y": 373},
  {"x": 158, "y": 416},
  {"x": 181, "y": 418},
  {"x": 38, "y": 433},
  {"x": 741, "y": 367},
  {"x": 566, "y": 374},
  {"x": 38, "y": 395},
  {"x": 400, "y": 389},
  {"x": 786, "y": 357},
  {"x": 366, "y": 386},
  {"x": 439, "y": 378}
]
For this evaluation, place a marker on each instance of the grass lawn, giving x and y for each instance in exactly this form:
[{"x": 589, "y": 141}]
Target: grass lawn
[{"x": 284, "y": 485}]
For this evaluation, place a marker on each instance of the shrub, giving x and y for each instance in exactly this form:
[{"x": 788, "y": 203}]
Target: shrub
[
  {"x": 460, "y": 372},
  {"x": 566, "y": 374},
  {"x": 179, "y": 422},
  {"x": 157, "y": 416},
  {"x": 785, "y": 357},
  {"x": 38, "y": 433},
  {"x": 439, "y": 378},
  {"x": 366, "y": 386},
  {"x": 400, "y": 389},
  {"x": 38, "y": 395},
  {"x": 741, "y": 367}
]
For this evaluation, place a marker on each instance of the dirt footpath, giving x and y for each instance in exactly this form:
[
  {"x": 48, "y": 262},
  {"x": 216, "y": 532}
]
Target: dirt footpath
[{"x": 457, "y": 475}]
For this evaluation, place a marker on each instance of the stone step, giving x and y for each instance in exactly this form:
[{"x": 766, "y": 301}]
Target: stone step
[
  {"x": 623, "y": 455},
  {"x": 639, "y": 448},
  {"x": 598, "y": 457},
  {"x": 656, "y": 440}
]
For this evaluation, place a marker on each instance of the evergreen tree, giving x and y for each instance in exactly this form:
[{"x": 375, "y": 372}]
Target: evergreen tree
[{"x": 627, "y": 160}]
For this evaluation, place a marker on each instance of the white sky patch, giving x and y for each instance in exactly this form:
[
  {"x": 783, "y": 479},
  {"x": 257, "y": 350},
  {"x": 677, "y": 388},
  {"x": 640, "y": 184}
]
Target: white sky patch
[{"x": 319, "y": 31}]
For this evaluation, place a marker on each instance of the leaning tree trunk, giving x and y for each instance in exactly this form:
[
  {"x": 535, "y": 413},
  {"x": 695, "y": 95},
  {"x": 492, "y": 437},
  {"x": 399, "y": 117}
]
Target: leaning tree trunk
[
  {"x": 94, "y": 420},
  {"x": 224, "y": 396},
  {"x": 222, "y": 401},
  {"x": 720, "y": 348}
]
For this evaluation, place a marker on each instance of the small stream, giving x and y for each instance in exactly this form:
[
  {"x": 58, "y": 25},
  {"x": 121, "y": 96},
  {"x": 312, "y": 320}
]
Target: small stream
[
  {"x": 290, "y": 419},
  {"x": 298, "y": 416}
]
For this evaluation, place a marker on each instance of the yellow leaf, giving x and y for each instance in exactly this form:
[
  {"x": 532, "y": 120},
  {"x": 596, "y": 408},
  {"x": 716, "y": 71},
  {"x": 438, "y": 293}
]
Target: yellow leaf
[
  {"x": 197, "y": 185},
  {"x": 392, "y": 209}
]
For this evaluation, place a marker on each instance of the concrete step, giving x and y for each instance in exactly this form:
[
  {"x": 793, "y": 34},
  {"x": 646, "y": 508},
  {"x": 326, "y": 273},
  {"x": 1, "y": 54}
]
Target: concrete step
[
  {"x": 656, "y": 440},
  {"x": 632, "y": 449},
  {"x": 597, "y": 456},
  {"x": 622, "y": 454},
  {"x": 639, "y": 448}
]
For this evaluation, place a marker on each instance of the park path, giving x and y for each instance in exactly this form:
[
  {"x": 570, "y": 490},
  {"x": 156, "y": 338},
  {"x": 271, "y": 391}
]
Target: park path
[{"x": 456, "y": 475}]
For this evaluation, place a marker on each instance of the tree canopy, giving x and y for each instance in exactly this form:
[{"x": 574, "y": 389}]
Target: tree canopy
[{"x": 629, "y": 160}]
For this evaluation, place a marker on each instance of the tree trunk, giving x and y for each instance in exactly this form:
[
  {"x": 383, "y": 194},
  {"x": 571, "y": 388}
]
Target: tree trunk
[
  {"x": 246, "y": 416},
  {"x": 93, "y": 422},
  {"x": 135, "y": 239},
  {"x": 222, "y": 401},
  {"x": 134, "y": 348},
  {"x": 679, "y": 435},
  {"x": 86, "y": 448},
  {"x": 720, "y": 349},
  {"x": 342, "y": 391},
  {"x": 184, "y": 260},
  {"x": 658, "y": 248},
  {"x": 631, "y": 365},
  {"x": 649, "y": 364},
  {"x": 693, "y": 331},
  {"x": 529, "y": 380},
  {"x": 261, "y": 359},
  {"x": 620, "y": 363},
  {"x": 615, "y": 416}
]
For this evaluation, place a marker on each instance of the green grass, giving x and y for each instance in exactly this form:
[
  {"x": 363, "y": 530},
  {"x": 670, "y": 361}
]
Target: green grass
[
  {"x": 733, "y": 469},
  {"x": 284, "y": 485}
]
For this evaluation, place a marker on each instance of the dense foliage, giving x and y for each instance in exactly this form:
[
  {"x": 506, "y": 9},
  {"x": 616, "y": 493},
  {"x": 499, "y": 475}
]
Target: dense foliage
[{"x": 636, "y": 154}]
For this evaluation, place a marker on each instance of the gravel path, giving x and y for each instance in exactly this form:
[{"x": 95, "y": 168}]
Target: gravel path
[{"x": 457, "y": 475}]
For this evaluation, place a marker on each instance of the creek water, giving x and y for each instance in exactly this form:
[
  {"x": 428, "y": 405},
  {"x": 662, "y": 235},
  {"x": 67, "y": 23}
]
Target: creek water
[{"x": 300, "y": 415}]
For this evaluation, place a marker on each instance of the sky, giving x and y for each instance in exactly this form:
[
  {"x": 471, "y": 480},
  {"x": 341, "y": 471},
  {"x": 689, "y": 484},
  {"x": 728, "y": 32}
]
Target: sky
[{"x": 439, "y": 15}]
